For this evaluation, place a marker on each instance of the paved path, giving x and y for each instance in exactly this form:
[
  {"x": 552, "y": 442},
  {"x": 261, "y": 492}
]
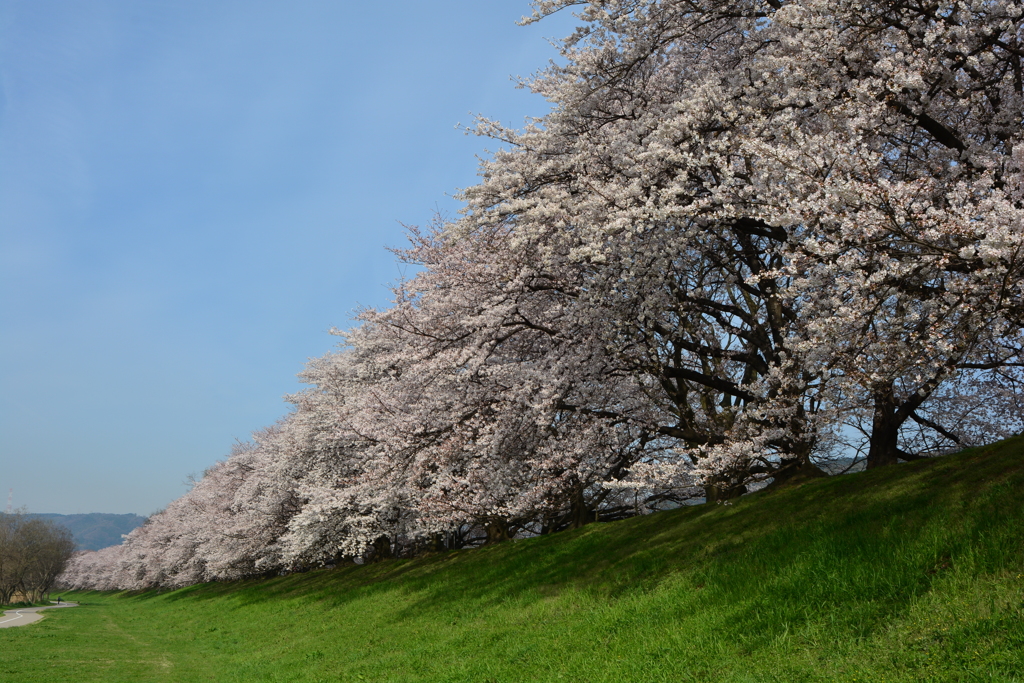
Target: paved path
[{"x": 26, "y": 615}]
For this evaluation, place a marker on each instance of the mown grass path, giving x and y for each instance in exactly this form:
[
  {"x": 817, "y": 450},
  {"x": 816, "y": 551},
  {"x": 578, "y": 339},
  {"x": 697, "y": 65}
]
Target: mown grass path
[{"x": 912, "y": 574}]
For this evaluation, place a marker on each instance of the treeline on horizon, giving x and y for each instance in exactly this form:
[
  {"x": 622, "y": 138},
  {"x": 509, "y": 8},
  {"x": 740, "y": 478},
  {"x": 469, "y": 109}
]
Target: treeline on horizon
[{"x": 749, "y": 238}]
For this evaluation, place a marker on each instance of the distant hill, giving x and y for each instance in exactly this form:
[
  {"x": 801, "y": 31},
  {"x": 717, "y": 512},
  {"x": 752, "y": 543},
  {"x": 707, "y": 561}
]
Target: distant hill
[{"x": 97, "y": 529}]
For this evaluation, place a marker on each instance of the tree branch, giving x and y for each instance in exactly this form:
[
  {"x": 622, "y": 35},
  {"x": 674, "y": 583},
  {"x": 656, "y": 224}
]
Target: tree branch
[
  {"x": 937, "y": 427},
  {"x": 725, "y": 386},
  {"x": 942, "y": 135}
]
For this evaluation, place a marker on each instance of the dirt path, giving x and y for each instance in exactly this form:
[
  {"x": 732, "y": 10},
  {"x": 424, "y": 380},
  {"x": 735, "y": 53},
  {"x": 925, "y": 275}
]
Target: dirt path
[{"x": 27, "y": 615}]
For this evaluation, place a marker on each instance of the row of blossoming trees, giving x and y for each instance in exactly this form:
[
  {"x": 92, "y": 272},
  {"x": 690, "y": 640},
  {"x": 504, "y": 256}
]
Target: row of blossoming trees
[{"x": 749, "y": 236}]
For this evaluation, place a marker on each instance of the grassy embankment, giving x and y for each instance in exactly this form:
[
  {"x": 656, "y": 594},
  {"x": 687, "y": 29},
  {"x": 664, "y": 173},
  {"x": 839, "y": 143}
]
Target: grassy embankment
[{"x": 915, "y": 573}]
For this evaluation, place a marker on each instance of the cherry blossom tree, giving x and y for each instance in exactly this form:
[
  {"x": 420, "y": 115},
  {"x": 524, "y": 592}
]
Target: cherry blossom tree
[
  {"x": 93, "y": 570},
  {"x": 913, "y": 270},
  {"x": 226, "y": 527},
  {"x": 868, "y": 146},
  {"x": 744, "y": 228}
]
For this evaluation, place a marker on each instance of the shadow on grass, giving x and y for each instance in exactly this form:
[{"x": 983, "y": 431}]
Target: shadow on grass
[{"x": 861, "y": 546}]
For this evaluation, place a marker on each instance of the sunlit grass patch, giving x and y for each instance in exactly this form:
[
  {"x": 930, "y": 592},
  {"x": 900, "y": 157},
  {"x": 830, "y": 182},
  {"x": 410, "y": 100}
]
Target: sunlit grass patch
[{"x": 915, "y": 573}]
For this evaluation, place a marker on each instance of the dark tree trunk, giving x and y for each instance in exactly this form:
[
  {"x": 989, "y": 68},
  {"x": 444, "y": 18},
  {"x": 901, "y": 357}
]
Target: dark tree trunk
[
  {"x": 796, "y": 471},
  {"x": 580, "y": 514},
  {"x": 497, "y": 532},
  {"x": 722, "y": 490},
  {"x": 341, "y": 559},
  {"x": 883, "y": 447},
  {"x": 382, "y": 549},
  {"x": 796, "y": 467},
  {"x": 436, "y": 543}
]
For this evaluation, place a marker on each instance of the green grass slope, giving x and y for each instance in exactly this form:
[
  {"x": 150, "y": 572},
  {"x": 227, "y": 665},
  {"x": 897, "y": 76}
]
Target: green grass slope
[{"x": 914, "y": 573}]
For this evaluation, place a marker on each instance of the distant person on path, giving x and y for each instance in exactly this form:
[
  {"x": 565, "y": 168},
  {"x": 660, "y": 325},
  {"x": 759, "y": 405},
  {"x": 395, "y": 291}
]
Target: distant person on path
[{"x": 58, "y": 599}]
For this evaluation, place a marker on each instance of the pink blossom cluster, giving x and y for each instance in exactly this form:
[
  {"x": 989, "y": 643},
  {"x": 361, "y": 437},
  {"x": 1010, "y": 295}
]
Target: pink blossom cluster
[{"x": 750, "y": 236}]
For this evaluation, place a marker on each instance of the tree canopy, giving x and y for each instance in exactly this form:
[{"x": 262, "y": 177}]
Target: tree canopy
[
  {"x": 33, "y": 553},
  {"x": 749, "y": 237}
]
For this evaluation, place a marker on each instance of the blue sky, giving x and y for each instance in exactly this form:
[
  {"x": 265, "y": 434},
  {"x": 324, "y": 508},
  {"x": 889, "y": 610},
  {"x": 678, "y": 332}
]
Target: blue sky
[{"x": 193, "y": 193}]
